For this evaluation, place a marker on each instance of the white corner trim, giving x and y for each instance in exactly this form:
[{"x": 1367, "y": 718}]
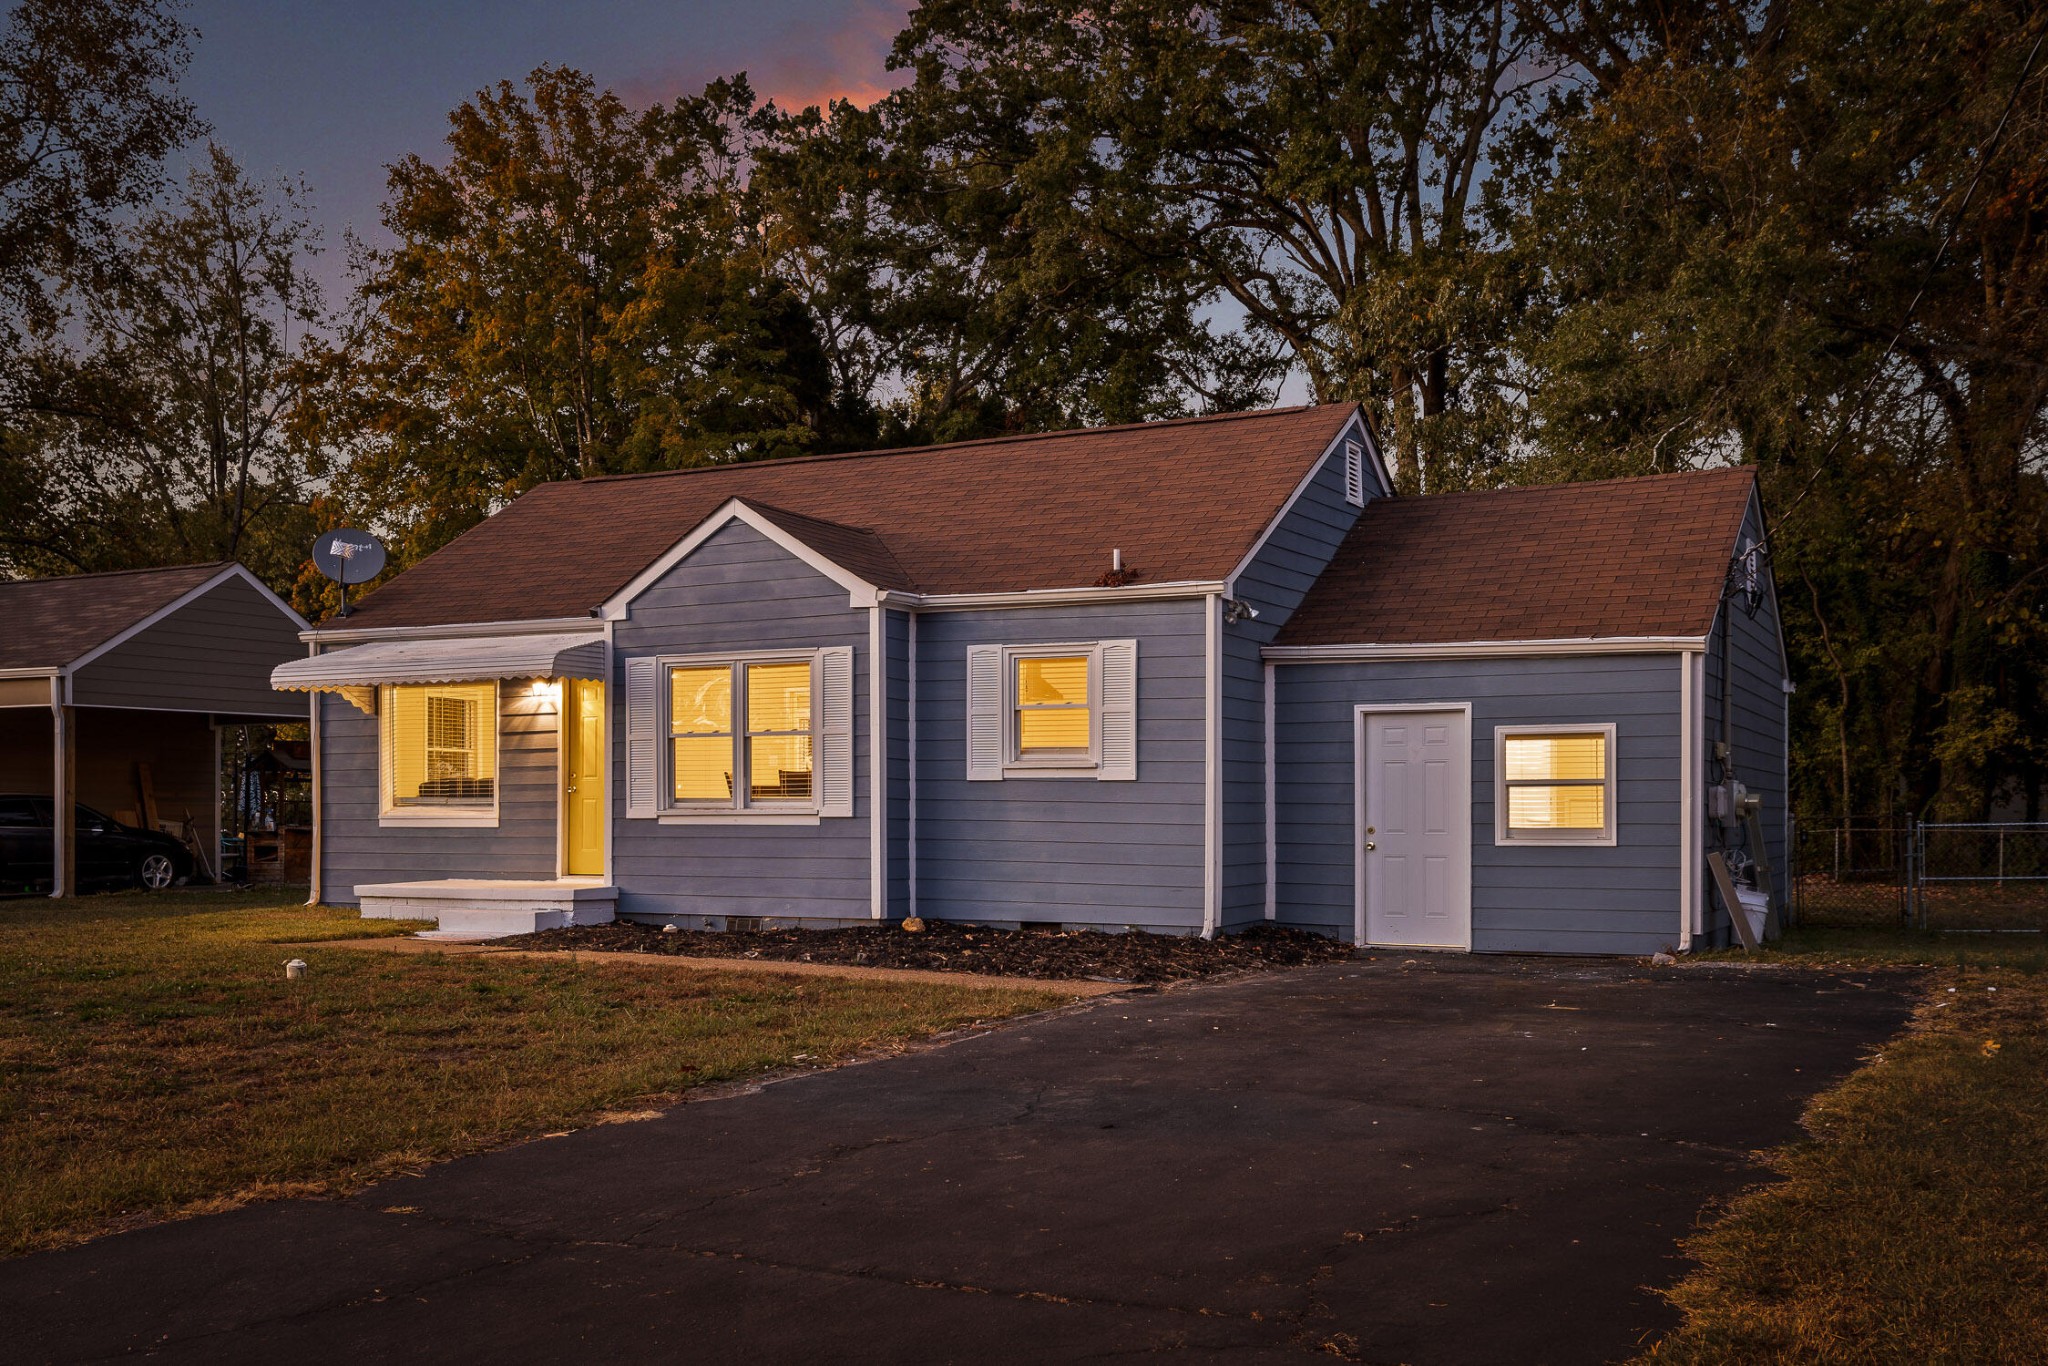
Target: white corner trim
[
  {"x": 1272, "y": 802},
  {"x": 878, "y": 768},
  {"x": 1688, "y": 832},
  {"x": 1212, "y": 766},
  {"x": 1486, "y": 649},
  {"x": 363, "y": 635},
  {"x": 860, "y": 592},
  {"x": 1301, "y": 488},
  {"x": 190, "y": 595}
]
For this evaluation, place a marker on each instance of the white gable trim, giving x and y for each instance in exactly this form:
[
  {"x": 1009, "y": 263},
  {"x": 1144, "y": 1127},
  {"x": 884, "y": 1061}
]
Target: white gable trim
[
  {"x": 233, "y": 571},
  {"x": 860, "y": 592},
  {"x": 1354, "y": 429},
  {"x": 1487, "y": 649}
]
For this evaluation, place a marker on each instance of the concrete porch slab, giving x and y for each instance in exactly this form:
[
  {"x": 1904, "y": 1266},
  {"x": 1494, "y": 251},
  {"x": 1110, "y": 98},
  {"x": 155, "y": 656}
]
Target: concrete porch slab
[{"x": 488, "y": 908}]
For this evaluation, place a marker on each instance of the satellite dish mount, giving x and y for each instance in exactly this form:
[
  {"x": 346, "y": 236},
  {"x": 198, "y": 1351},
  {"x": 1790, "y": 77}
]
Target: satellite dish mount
[{"x": 348, "y": 556}]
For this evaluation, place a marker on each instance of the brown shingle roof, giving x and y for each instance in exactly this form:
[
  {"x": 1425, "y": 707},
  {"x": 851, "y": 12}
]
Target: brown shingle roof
[
  {"x": 1182, "y": 500},
  {"x": 1620, "y": 557},
  {"x": 48, "y": 623}
]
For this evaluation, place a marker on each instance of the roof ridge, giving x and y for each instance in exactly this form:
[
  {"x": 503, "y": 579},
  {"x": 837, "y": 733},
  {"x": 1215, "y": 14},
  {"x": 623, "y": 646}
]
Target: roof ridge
[
  {"x": 1665, "y": 476},
  {"x": 823, "y": 457},
  {"x": 115, "y": 573}
]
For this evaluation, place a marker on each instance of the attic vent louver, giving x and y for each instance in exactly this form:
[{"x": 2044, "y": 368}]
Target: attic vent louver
[{"x": 1354, "y": 474}]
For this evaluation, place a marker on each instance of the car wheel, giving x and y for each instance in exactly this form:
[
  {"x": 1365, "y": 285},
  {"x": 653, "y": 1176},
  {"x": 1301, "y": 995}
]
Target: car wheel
[{"x": 156, "y": 872}]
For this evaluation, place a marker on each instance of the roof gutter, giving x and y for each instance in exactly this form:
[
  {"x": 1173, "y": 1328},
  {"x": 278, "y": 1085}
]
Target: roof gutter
[
  {"x": 1487, "y": 649},
  {"x": 357, "y": 635}
]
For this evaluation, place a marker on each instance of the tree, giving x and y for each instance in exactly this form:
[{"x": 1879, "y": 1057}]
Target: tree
[
  {"x": 174, "y": 428},
  {"x": 88, "y": 111},
  {"x": 1326, "y": 166},
  {"x": 1810, "y": 238},
  {"x": 581, "y": 289}
]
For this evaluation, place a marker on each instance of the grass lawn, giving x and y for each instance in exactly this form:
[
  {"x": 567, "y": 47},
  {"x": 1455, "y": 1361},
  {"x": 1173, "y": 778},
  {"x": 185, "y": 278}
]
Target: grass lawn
[
  {"x": 154, "y": 1061},
  {"x": 1912, "y": 1224}
]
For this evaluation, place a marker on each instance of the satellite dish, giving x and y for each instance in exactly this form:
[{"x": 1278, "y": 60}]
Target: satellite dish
[{"x": 348, "y": 556}]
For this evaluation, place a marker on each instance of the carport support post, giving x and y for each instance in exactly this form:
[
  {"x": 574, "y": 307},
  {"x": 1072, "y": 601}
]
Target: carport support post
[{"x": 63, "y": 802}]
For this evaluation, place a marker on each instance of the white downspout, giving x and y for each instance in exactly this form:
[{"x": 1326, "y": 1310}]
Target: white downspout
[
  {"x": 878, "y": 768},
  {"x": 1688, "y": 823},
  {"x": 1272, "y": 804},
  {"x": 1212, "y": 767}
]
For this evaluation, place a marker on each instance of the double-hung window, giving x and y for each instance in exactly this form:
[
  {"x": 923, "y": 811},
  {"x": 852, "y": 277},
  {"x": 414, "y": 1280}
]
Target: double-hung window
[
  {"x": 1554, "y": 784},
  {"x": 439, "y": 753},
  {"x": 741, "y": 734},
  {"x": 1052, "y": 709}
]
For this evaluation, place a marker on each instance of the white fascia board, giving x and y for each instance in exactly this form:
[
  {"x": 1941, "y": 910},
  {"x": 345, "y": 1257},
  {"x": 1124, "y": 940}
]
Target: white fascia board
[
  {"x": 1315, "y": 468},
  {"x": 363, "y": 635},
  {"x": 1052, "y": 597},
  {"x": 860, "y": 592},
  {"x": 1487, "y": 649},
  {"x": 233, "y": 571}
]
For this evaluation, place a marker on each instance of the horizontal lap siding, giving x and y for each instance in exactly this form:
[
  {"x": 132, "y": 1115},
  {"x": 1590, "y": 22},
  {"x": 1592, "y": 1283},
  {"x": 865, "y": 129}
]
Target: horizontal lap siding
[
  {"x": 1069, "y": 849},
  {"x": 214, "y": 654},
  {"x": 739, "y": 591},
  {"x": 355, "y": 849},
  {"x": 1760, "y": 716},
  {"x": 1525, "y": 898},
  {"x": 1275, "y": 581}
]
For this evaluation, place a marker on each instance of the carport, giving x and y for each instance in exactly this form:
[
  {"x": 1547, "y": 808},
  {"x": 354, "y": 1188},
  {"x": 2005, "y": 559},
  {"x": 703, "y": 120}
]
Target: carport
[{"x": 114, "y": 688}]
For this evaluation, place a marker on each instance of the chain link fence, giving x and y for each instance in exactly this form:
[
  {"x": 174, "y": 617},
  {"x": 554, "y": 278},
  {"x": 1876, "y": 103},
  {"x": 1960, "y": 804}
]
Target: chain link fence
[{"x": 1984, "y": 878}]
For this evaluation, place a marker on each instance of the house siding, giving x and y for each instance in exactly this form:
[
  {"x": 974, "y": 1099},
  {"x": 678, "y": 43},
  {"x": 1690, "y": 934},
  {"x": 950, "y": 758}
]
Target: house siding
[
  {"x": 1073, "y": 850},
  {"x": 740, "y": 591},
  {"x": 1525, "y": 898},
  {"x": 356, "y": 850},
  {"x": 214, "y": 654},
  {"x": 1761, "y": 720},
  {"x": 1275, "y": 581}
]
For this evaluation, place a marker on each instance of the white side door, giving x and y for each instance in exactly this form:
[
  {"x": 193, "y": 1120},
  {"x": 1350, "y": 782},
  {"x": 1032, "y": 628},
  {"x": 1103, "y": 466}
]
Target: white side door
[{"x": 1415, "y": 840}]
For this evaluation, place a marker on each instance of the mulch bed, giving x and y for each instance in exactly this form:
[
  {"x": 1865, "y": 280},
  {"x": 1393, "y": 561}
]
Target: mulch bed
[{"x": 946, "y": 946}]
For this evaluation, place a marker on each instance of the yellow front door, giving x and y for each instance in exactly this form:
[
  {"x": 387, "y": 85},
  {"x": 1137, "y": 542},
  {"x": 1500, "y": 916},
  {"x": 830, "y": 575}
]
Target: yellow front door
[{"x": 583, "y": 776}]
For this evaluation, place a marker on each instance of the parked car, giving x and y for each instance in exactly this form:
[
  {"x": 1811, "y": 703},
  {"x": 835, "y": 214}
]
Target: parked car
[{"x": 110, "y": 854}]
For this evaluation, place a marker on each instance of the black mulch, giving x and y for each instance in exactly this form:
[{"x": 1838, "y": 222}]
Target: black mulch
[{"x": 952, "y": 947}]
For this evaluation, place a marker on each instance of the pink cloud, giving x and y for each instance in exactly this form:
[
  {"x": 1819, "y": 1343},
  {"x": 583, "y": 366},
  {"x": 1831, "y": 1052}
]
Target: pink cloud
[{"x": 804, "y": 64}]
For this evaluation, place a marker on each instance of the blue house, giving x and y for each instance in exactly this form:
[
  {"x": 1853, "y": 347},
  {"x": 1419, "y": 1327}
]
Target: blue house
[{"x": 1182, "y": 677}]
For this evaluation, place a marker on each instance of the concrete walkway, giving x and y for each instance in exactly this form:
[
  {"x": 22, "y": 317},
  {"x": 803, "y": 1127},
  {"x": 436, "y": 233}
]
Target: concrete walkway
[{"x": 1449, "y": 1160}]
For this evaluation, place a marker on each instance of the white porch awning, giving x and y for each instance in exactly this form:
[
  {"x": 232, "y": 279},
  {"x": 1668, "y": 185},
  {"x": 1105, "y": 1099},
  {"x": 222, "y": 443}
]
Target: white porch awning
[{"x": 451, "y": 659}]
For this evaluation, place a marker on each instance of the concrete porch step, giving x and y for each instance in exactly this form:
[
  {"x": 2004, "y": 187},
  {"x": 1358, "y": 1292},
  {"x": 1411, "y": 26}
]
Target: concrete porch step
[{"x": 480, "y": 908}]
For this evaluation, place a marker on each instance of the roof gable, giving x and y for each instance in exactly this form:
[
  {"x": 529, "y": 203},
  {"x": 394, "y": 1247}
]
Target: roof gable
[
  {"x": 53, "y": 623},
  {"x": 1614, "y": 558},
  {"x": 1184, "y": 501}
]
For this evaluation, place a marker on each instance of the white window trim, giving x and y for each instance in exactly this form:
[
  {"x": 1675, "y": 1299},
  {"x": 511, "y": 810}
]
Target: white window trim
[
  {"x": 1016, "y": 764},
  {"x": 447, "y": 818},
  {"x": 735, "y": 810},
  {"x": 1602, "y": 839}
]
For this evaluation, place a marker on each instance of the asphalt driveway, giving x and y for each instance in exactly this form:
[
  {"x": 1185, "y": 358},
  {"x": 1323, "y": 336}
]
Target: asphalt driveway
[{"x": 1428, "y": 1160}]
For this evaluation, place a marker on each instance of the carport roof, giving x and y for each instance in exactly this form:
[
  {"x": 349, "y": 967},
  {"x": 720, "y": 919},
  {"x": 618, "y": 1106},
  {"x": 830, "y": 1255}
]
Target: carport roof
[
  {"x": 1597, "y": 560},
  {"x": 51, "y": 623}
]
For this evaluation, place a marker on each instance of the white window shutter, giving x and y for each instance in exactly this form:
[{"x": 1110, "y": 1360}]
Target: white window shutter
[
  {"x": 643, "y": 738},
  {"x": 835, "y": 731},
  {"x": 984, "y": 713},
  {"x": 1119, "y": 758},
  {"x": 1354, "y": 474}
]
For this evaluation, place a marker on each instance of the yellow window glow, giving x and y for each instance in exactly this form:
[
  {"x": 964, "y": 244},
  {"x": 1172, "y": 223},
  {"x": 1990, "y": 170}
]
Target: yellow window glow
[
  {"x": 1556, "y": 783},
  {"x": 1052, "y": 707},
  {"x": 779, "y": 732},
  {"x": 441, "y": 743}
]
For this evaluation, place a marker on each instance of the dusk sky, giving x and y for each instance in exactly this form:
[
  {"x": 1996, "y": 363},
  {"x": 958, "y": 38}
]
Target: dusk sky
[{"x": 335, "y": 91}]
